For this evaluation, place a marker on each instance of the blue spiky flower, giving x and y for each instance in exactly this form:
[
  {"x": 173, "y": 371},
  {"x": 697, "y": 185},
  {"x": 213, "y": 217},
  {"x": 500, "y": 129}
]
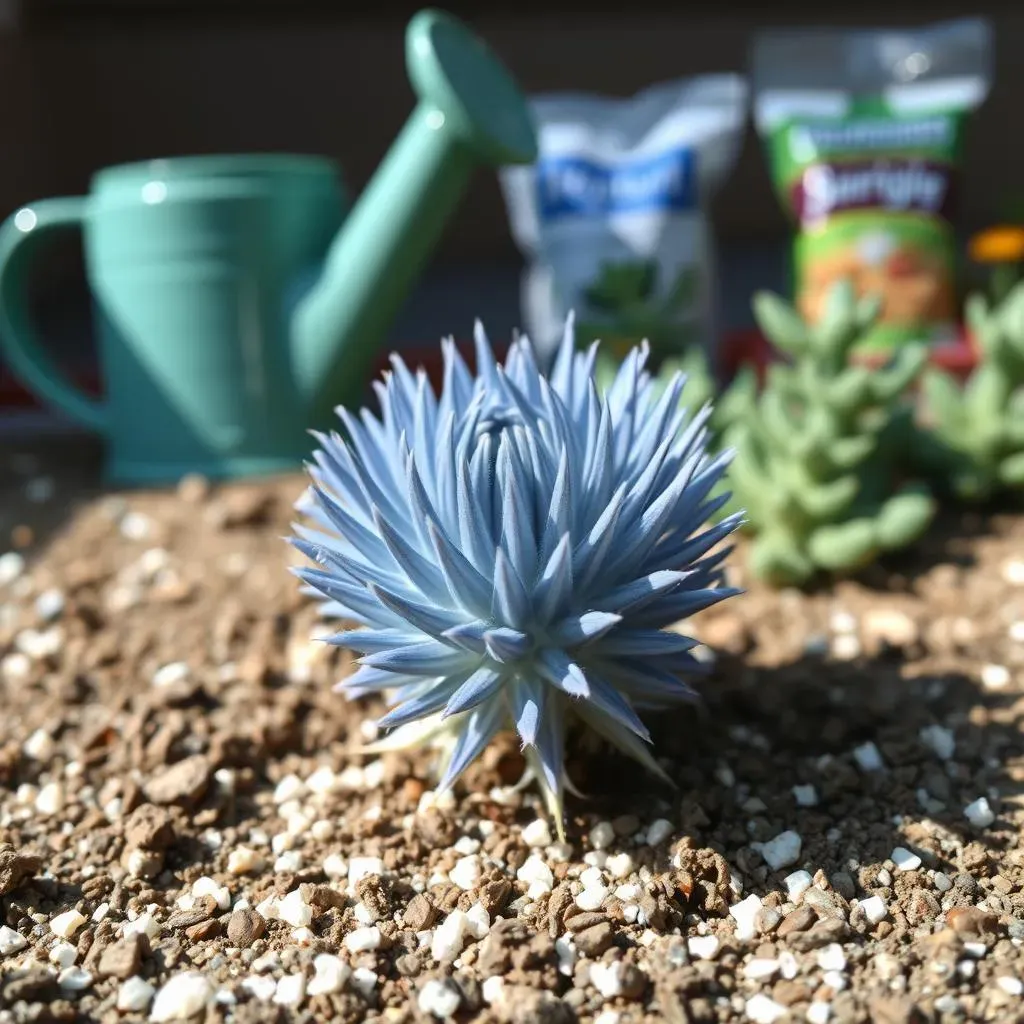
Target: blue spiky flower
[{"x": 515, "y": 551}]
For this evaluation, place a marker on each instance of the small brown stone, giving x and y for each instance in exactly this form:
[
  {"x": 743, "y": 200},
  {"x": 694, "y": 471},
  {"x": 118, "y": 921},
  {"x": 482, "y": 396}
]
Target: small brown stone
[
  {"x": 633, "y": 981},
  {"x": 832, "y": 929},
  {"x": 149, "y": 828},
  {"x": 798, "y": 920},
  {"x": 203, "y": 930},
  {"x": 245, "y": 927},
  {"x": 181, "y": 783},
  {"x": 494, "y": 895},
  {"x": 595, "y": 939},
  {"x": 323, "y": 897},
  {"x": 15, "y": 867},
  {"x": 122, "y": 959},
  {"x": 972, "y": 921},
  {"x": 583, "y": 920},
  {"x": 419, "y": 914},
  {"x": 202, "y": 911}
]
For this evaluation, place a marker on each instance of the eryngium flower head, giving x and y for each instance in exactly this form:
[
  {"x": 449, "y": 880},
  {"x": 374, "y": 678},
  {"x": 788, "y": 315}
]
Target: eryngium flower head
[{"x": 514, "y": 551}]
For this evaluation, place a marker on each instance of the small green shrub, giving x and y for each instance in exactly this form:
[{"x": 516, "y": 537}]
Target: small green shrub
[
  {"x": 972, "y": 440},
  {"x": 817, "y": 454}
]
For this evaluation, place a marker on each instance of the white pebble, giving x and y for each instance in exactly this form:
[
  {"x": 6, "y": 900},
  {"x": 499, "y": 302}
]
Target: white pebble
[
  {"x": 206, "y": 886},
  {"x": 805, "y": 796},
  {"x": 607, "y": 978},
  {"x": 995, "y": 677},
  {"x": 608, "y": 1017},
  {"x": 602, "y": 835},
  {"x": 11, "y": 941},
  {"x": 321, "y": 830},
  {"x": 703, "y": 947},
  {"x": 478, "y": 921},
  {"x": 288, "y": 863},
  {"x": 592, "y": 898},
  {"x": 590, "y": 877},
  {"x": 134, "y": 995},
  {"x": 763, "y": 1010},
  {"x": 942, "y": 881},
  {"x": 659, "y": 831},
  {"x": 832, "y": 958},
  {"x": 39, "y": 746},
  {"x": 12, "y": 565},
  {"x": 15, "y": 667},
  {"x": 537, "y": 833},
  {"x": 245, "y": 861},
  {"x": 466, "y": 845},
  {"x": 291, "y": 787},
  {"x": 979, "y": 813},
  {"x": 74, "y": 979},
  {"x": 449, "y": 937},
  {"x": 65, "y": 925},
  {"x": 135, "y": 526},
  {"x": 362, "y": 867},
  {"x": 535, "y": 872},
  {"x": 868, "y": 757},
  {"x": 181, "y": 996},
  {"x": 323, "y": 780},
  {"x": 940, "y": 740},
  {"x": 904, "y": 859},
  {"x": 50, "y": 799},
  {"x": 783, "y": 850},
  {"x": 335, "y": 866},
  {"x": 619, "y": 865},
  {"x": 797, "y": 884},
  {"x": 168, "y": 675},
  {"x": 874, "y": 909},
  {"x": 761, "y": 967},
  {"x": 63, "y": 954},
  {"x": 50, "y": 604},
  {"x": 819, "y": 1013},
  {"x": 291, "y": 990},
  {"x": 834, "y": 980},
  {"x": 294, "y": 910},
  {"x": 364, "y": 980},
  {"x": 363, "y": 939},
  {"x": 466, "y": 872},
  {"x": 744, "y": 914},
  {"x": 493, "y": 989},
  {"x": 331, "y": 974},
  {"x": 1011, "y": 986},
  {"x": 438, "y": 997},
  {"x": 260, "y": 987},
  {"x": 144, "y": 924}
]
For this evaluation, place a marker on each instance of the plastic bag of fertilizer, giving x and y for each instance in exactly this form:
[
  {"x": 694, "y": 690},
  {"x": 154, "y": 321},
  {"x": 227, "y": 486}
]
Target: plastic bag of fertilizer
[
  {"x": 613, "y": 216},
  {"x": 864, "y": 130}
]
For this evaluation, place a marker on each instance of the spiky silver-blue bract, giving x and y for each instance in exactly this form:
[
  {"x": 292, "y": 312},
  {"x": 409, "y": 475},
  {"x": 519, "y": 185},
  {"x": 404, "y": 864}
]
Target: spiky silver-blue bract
[{"x": 514, "y": 551}]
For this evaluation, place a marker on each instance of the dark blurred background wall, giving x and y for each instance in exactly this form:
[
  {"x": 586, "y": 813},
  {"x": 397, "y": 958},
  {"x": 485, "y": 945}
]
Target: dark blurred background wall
[{"x": 87, "y": 83}]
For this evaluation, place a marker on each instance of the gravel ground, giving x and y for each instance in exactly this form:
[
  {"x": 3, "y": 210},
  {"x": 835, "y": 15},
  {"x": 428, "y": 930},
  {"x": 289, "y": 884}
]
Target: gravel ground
[{"x": 188, "y": 829}]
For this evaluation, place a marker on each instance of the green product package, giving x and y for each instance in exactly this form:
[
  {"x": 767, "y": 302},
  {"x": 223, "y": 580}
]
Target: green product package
[{"x": 865, "y": 137}]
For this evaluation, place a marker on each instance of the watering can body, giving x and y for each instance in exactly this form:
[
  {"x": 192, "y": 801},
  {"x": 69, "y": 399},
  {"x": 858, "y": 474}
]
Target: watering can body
[{"x": 237, "y": 301}]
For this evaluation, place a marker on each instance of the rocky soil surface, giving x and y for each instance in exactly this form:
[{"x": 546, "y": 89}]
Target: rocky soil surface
[{"x": 188, "y": 830}]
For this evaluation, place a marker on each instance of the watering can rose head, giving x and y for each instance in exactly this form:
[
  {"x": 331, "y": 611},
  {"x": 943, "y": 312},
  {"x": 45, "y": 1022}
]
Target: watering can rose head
[{"x": 515, "y": 551}]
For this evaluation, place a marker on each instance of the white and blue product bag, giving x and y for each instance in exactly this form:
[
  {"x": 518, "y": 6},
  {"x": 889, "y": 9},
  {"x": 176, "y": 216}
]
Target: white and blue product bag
[{"x": 612, "y": 218}]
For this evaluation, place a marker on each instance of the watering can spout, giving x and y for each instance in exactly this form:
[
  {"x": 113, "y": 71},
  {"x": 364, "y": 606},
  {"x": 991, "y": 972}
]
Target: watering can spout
[{"x": 469, "y": 112}]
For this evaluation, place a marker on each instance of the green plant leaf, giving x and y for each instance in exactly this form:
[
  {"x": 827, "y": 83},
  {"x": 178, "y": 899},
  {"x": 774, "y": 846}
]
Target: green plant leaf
[
  {"x": 781, "y": 324},
  {"x": 1011, "y": 471},
  {"x": 904, "y": 517},
  {"x": 775, "y": 559},
  {"x": 844, "y": 547},
  {"x": 826, "y": 502}
]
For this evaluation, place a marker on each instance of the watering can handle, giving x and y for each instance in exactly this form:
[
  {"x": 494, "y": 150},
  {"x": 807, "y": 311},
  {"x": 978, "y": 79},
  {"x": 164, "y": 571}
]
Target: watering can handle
[{"x": 20, "y": 238}]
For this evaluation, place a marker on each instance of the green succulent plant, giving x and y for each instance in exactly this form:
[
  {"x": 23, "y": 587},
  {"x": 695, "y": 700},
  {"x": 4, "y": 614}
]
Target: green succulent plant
[
  {"x": 974, "y": 438},
  {"x": 818, "y": 453}
]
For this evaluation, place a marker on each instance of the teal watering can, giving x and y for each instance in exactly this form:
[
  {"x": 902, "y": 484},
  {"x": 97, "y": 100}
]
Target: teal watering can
[{"x": 235, "y": 304}]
